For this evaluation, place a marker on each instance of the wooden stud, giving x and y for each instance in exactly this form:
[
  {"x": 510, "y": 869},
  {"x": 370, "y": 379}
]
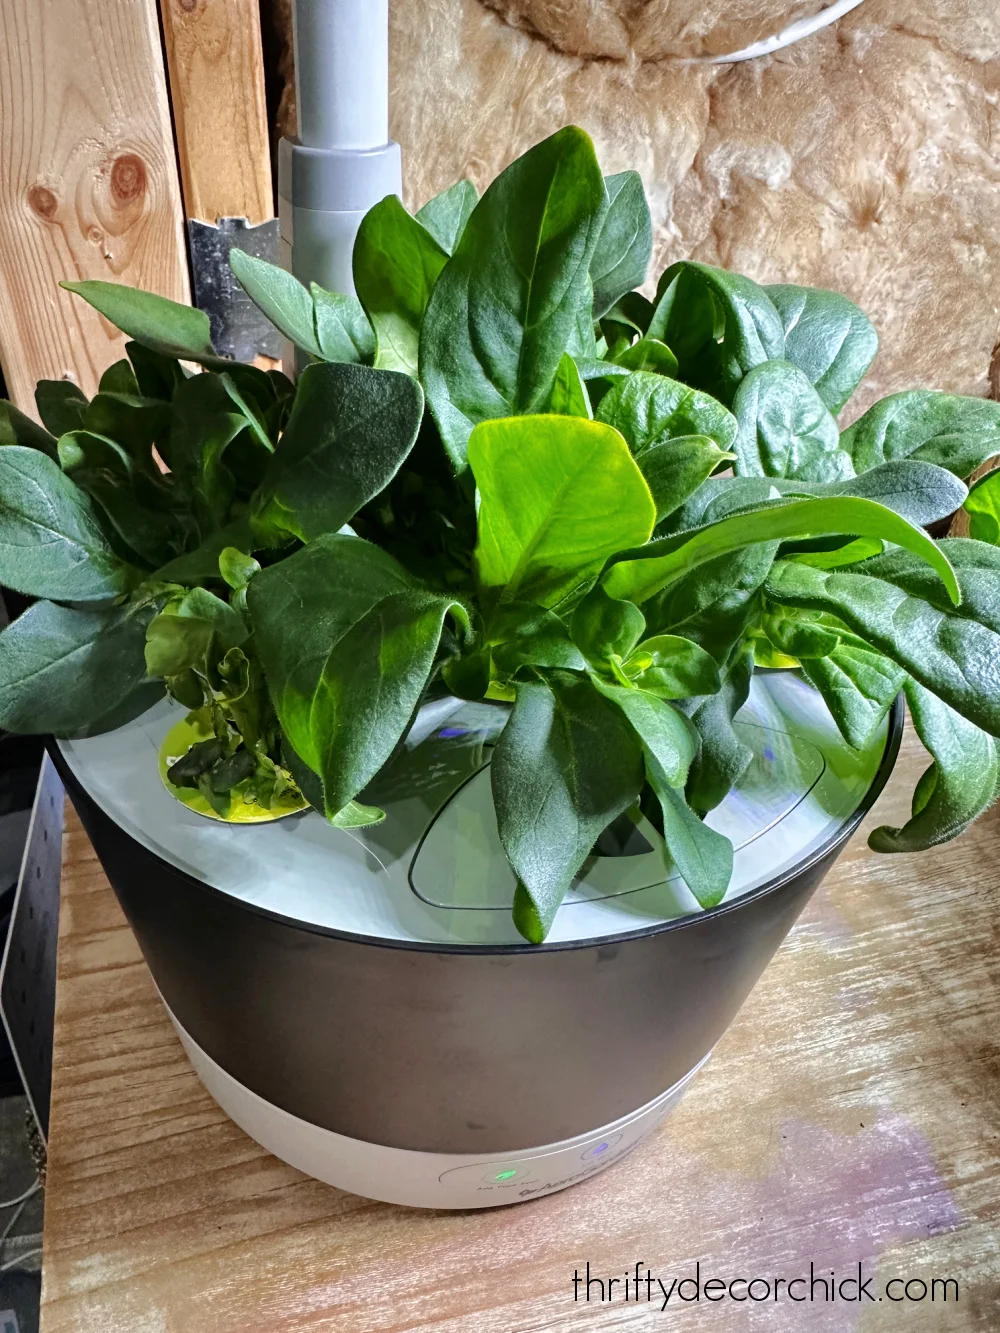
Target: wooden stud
[
  {"x": 216, "y": 70},
  {"x": 88, "y": 181}
]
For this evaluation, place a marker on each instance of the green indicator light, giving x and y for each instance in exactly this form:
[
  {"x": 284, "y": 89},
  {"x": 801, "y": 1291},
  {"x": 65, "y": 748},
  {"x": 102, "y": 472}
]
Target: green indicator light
[{"x": 505, "y": 1175}]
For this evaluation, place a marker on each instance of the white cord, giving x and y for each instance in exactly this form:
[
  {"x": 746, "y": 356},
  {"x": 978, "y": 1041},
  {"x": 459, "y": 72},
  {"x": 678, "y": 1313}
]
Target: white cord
[
  {"x": 22, "y": 1198},
  {"x": 795, "y": 32},
  {"x": 19, "y": 1259}
]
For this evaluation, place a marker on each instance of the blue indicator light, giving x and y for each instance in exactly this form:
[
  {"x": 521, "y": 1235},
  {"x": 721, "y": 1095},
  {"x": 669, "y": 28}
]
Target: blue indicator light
[
  {"x": 601, "y": 1147},
  {"x": 769, "y": 754},
  {"x": 449, "y": 733}
]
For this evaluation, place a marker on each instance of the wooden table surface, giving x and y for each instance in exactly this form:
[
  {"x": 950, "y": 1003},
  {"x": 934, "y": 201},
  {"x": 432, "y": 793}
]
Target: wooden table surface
[{"x": 851, "y": 1114}]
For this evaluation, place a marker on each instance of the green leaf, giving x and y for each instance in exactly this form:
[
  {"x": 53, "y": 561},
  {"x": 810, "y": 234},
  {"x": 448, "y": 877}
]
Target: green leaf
[
  {"x": 558, "y": 495},
  {"x": 676, "y": 468},
  {"x": 719, "y": 325},
  {"x": 280, "y": 298},
  {"x": 445, "y": 216},
  {"x": 522, "y": 634},
  {"x": 850, "y": 554},
  {"x": 723, "y": 757},
  {"x": 202, "y": 563},
  {"x": 119, "y": 378},
  {"x": 204, "y": 423},
  {"x": 670, "y": 558},
  {"x": 677, "y": 667},
  {"x": 193, "y": 633},
  {"x": 51, "y": 544},
  {"x": 156, "y": 376},
  {"x": 342, "y": 328},
  {"x": 983, "y": 507},
  {"x": 963, "y": 781},
  {"x": 603, "y": 627},
  {"x": 625, "y": 244},
  {"x": 347, "y": 640},
  {"x": 163, "y": 326},
  {"x": 567, "y": 763},
  {"x": 785, "y": 428},
  {"x": 957, "y": 433},
  {"x": 517, "y": 292},
  {"x": 828, "y": 337},
  {"x": 649, "y": 409},
  {"x": 902, "y": 612},
  {"x": 665, "y": 733},
  {"x": 61, "y": 405},
  {"x": 858, "y": 685},
  {"x": 63, "y": 670},
  {"x": 703, "y": 856},
  {"x": 649, "y": 355},
  {"x": 236, "y": 568},
  {"x": 350, "y": 430},
  {"x": 16, "y": 428},
  {"x": 569, "y": 396},
  {"x": 396, "y": 264}
]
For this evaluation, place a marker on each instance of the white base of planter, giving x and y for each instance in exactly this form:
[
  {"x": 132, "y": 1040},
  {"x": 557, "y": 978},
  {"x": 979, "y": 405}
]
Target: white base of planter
[{"x": 426, "y": 1179}]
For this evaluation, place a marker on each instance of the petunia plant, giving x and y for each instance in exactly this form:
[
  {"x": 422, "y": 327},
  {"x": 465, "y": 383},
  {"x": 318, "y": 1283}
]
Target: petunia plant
[{"x": 507, "y": 473}]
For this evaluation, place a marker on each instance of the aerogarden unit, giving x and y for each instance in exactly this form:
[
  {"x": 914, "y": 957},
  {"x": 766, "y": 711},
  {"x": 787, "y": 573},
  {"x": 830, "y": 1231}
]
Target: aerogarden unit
[{"x": 464, "y": 725}]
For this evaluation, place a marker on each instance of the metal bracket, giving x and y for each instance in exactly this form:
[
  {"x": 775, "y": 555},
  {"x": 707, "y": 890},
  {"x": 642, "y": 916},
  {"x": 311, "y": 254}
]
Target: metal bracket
[{"x": 238, "y": 328}]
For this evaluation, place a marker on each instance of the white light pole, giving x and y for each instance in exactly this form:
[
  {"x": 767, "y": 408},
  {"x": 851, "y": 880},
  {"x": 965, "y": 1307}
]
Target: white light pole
[{"x": 343, "y": 161}]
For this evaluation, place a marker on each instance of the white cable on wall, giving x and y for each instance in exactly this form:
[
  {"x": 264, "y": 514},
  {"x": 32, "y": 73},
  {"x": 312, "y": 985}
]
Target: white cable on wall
[{"x": 795, "y": 32}]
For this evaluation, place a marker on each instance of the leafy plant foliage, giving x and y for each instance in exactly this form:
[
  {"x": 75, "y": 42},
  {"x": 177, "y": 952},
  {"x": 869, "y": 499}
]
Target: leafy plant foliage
[{"x": 508, "y": 474}]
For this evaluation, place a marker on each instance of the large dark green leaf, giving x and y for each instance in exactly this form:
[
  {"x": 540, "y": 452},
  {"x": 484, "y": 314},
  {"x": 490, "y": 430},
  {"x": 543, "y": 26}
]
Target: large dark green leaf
[
  {"x": 567, "y": 763},
  {"x": 517, "y": 292},
  {"x": 858, "y": 685},
  {"x": 676, "y": 468},
  {"x": 670, "y": 558},
  {"x": 719, "y": 325},
  {"x": 723, "y": 757},
  {"x": 558, "y": 496},
  {"x": 602, "y": 627},
  {"x": 648, "y": 409},
  {"x": 446, "y": 215},
  {"x": 16, "y": 428},
  {"x": 62, "y": 670},
  {"x": 647, "y": 355},
  {"x": 205, "y": 421},
  {"x": 349, "y": 432},
  {"x": 717, "y": 603},
  {"x": 61, "y": 405},
  {"x": 954, "y": 432},
  {"x": 163, "y": 326},
  {"x": 396, "y": 264},
  {"x": 704, "y": 857},
  {"x": 785, "y": 428},
  {"x": 954, "y": 651},
  {"x": 625, "y": 244},
  {"x": 51, "y": 544},
  {"x": 963, "y": 781},
  {"x": 828, "y": 337},
  {"x": 666, "y": 734}
]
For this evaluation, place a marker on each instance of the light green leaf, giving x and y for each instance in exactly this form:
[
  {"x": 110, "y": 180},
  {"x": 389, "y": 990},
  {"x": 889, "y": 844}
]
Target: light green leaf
[
  {"x": 828, "y": 337},
  {"x": 569, "y": 396},
  {"x": 963, "y": 781},
  {"x": 558, "y": 495},
  {"x": 677, "y": 668},
  {"x": 983, "y": 507},
  {"x": 342, "y": 328},
  {"x": 957, "y": 433},
  {"x": 51, "y": 544},
  {"x": 350, "y": 430},
  {"x": 63, "y": 670},
  {"x": 445, "y": 216},
  {"x": 279, "y": 297},
  {"x": 603, "y": 627},
  {"x": 192, "y": 633},
  {"x": 785, "y": 428},
  {"x": 625, "y": 245},
  {"x": 649, "y": 355},
  {"x": 163, "y": 326},
  {"x": 517, "y": 292},
  {"x": 671, "y": 557},
  {"x": 649, "y": 409},
  {"x": 567, "y": 763},
  {"x": 396, "y": 264}
]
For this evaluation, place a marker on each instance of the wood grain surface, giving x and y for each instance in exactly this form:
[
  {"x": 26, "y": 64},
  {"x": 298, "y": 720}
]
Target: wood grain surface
[
  {"x": 88, "y": 181},
  {"x": 851, "y": 1114},
  {"x": 216, "y": 73}
]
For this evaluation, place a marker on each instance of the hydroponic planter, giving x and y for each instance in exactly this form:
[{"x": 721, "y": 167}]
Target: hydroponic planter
[{"x": 360, "y": 1002}]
